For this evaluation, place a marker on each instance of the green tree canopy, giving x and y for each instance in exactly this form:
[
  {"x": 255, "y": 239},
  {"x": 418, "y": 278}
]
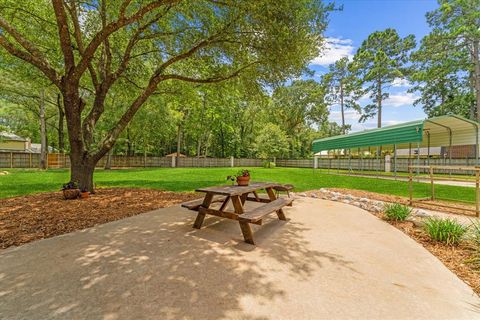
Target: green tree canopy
[
  {"x": 381, "y": 59},
  {"x": 93, "y": 51},
  {"x": 271, "y": 142},
  {"x": 446, "y": 68}
]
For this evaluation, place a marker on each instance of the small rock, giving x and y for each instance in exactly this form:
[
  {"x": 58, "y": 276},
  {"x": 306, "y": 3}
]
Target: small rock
[
  {"x": 334, "y": 198},
  {"x": 302, "y": 194},
  {"x": 421, "y": 213},
  {"x": 418, "y": 223},
  {"x": 356, "y": 204},
  {"x": 346, "y": 201},
  {"x": 348, "y": 197},
  {"x": 363, "y": 200},
  {"x": 313, "y": 195}
]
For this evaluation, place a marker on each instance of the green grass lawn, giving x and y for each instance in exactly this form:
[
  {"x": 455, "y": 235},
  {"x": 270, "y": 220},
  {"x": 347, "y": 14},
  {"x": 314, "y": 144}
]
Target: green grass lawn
[{"x": 21, "y": 182}]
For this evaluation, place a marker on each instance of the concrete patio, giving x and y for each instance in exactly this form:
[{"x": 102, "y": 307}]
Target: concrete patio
[{"x": 330, "y": 261}]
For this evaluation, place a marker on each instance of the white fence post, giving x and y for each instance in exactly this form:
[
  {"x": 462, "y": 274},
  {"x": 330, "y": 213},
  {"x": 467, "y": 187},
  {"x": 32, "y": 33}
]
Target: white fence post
[
  {"x": 315, "y": 162},
  {"x": 232, "y": 161},
  {"x": 173, "y": 162},
  {"x": 387, "y": 163}
]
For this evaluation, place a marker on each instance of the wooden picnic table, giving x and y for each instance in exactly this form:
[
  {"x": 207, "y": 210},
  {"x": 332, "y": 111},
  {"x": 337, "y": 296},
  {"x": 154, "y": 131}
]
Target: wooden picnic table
[{"x": 239, "y": 195}]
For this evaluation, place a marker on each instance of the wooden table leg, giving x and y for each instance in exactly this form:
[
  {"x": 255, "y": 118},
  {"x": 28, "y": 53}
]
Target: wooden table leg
[
  {"x": 201, "y": 215},
  {"x": 237, "y": 204},
  {"x": 256, "y": 196},
  {"x": 244, "y": 198},
  {"x": 272, "y": 197},
  {"x": 244, "y": 226},
  {"x": 247, "y": 232},
  {"x": 224, "y": 204}
]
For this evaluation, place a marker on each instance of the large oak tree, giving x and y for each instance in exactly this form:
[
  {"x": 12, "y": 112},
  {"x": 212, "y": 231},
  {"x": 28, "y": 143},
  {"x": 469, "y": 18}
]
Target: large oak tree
[{"x": 94, "y": 50}]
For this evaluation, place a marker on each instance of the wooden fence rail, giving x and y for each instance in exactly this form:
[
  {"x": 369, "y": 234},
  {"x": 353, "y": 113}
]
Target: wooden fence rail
[{"x": 56, "y": 160}]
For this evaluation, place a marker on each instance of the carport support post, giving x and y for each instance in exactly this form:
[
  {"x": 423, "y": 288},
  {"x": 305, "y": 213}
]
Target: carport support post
[
  {"x": 360, "y": 159},
  {"x": 450, "y": 150},
  {"x": 410, "y": 184},
  {"x": 395, "y": 160},
  {"x": 350, "y": 160},
  {"x": 418, "y": 160},
  {"x": 428, "y": 147},
  {"x": 338, "y": 160},
  {"x": 432, "y": 184},
  {"x": 376, "y": 159}
]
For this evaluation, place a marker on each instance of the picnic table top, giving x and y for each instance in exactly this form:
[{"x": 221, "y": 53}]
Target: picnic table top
[{"x": 234, "y": 190}]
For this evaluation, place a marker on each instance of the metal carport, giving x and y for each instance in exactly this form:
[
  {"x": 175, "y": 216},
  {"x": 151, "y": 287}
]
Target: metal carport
[{"x": 449, "y": 130}]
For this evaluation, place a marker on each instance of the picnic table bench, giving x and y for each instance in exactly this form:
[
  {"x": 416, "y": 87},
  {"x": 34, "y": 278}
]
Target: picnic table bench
[{"x": 239, "y": 195}]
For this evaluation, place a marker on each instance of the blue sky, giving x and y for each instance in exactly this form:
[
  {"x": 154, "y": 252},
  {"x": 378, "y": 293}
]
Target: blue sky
[{"x": 345, "y": 33}]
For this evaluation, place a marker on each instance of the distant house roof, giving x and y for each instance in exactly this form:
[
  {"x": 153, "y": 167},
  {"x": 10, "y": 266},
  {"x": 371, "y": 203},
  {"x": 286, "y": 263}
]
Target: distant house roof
[
  {"x": 37, "y": 148},
  {"x": 11, "y": 137},
  {"x": 174, "y": 154}
]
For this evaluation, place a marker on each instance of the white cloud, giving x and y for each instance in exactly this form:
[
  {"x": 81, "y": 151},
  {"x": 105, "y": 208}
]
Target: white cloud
[
  {"x": 398, "y": 82},
  {"x": 335, "y": 49},
  {"x": 350, "y": 115},
  {"x": 401, "y": 99}
]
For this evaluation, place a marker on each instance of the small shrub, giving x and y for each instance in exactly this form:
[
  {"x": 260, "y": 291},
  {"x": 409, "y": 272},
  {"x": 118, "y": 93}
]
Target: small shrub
[
  {"x": 269, "y": 164},
  {"x": 397, "y": 212},
  {"x": 476, "y": 233},
  {"x": 475, "y": 260},
  {"x": 448, "y": 231}
]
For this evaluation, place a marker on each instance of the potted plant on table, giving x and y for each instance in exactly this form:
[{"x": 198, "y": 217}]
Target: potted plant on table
[
  {"x": 70, "y": 190},
  {"x": 242, "y": 177}
]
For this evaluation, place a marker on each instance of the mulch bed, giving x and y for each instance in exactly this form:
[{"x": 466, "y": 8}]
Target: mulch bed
[
  {"x": 453, "y": 257},
  {"x": 29, "y": 218}
]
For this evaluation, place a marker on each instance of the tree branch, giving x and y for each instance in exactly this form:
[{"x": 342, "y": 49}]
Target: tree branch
[
  {"x": 64, "y": 36},
  {"x": 37, "y": 61},
  {"x": 72, "y": 9},
  {"x": 110, "y": 28}
]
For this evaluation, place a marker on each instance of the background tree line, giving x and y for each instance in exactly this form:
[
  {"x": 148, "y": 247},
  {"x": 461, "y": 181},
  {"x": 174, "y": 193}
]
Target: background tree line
[{"x": 212, "y": 109}]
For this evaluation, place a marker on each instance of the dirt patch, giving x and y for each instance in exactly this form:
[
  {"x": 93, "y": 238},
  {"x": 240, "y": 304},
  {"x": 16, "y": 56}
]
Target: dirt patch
[
  {"x": 456, "y": 208},
  {"x": 453, "y": 257},
  {"x": 28, "y": 218}
]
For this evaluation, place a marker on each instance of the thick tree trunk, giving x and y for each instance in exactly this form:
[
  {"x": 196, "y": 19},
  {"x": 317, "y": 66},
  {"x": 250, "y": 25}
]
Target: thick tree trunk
[
  {"x": 476, "y": 63},
  {"x": 43, "y": 133},
  {"x": 342, "y": 108},
  {"x": 61, "y": 121},
  {"x": 179, "y": 144},
  {"x": 379, "y": 105},
  {"x": 108, "y": 162},
  {"x": 82, "y": 173}
]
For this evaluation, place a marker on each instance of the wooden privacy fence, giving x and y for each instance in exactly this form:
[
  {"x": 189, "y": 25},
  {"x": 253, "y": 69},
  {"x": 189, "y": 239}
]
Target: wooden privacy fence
[{"x": 57, "y": 160}]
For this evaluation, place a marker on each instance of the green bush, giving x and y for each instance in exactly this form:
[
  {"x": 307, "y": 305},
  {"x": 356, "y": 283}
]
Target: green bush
[
  {"x": 448, "y": 231},
  {"x": 397, "y": 212},
  {"x": 269, "y": 164},
  {"x": 476, "y": 244}
]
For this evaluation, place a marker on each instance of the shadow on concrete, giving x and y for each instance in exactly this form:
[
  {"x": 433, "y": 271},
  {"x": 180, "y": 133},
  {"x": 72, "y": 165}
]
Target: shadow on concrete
[{"x": 155, "y": 265}]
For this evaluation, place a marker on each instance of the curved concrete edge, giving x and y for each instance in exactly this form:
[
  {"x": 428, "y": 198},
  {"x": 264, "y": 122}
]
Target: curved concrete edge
[{"x": 329, "y": 261}]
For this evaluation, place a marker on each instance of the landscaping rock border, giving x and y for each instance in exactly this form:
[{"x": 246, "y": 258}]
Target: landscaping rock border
[{"x": 374, "y": 206}]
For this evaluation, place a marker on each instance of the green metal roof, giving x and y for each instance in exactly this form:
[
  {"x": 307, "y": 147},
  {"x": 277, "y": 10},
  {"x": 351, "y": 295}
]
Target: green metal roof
[{"x": 396, "y": 134}]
